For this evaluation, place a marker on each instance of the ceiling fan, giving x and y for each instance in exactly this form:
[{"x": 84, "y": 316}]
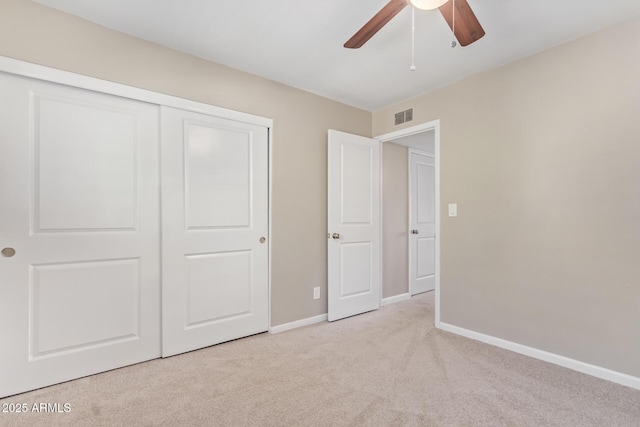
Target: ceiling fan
[{"x": 462, "y": 21}]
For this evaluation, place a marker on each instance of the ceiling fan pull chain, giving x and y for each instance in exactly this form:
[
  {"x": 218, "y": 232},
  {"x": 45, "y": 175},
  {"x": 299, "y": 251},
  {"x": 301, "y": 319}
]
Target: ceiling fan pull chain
[
  {"x": 413, "y": 39},
  {"x": 453, "y": 42}
]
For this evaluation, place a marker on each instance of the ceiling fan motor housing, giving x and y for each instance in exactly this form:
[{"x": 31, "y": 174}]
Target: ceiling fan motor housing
[{"x": 428, "y": 4}]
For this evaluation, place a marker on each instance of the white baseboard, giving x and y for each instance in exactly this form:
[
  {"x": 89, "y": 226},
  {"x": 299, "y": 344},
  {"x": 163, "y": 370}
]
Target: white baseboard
[
  {"x": 323, "y": 317},
  {"x": 395, "y": 298},
  {"x": 576, "y": 365},
  {"x": 298, "y": 324}
]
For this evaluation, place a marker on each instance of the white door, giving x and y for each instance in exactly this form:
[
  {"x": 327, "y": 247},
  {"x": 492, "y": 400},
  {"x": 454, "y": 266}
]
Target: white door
[
  {"x": 79, "y": 233},
  {"x": 353, "y": 225},
  {"x": 215, "y": 222},
  {"x": 422, "y": 222}
]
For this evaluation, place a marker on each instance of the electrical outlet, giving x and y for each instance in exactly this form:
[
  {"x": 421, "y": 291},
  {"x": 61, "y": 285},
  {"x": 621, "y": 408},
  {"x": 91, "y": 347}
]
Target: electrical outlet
[{"x": 316, "y": 292}]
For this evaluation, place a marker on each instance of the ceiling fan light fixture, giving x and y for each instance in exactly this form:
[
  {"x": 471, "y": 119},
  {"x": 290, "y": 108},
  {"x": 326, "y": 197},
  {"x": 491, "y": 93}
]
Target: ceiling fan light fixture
[{"x": 428, "y": 4}]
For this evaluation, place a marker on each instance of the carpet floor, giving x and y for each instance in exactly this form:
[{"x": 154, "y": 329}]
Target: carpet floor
[{"x": 389, "y": 367}]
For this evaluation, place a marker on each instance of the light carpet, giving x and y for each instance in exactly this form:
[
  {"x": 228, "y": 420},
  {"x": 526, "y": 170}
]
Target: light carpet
[{"x": 389, "y": 367}]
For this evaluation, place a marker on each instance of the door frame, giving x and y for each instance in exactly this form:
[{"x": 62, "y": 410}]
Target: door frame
[
  {"x": 434, "y": 126},
  {"x": 53, "y": 75}
]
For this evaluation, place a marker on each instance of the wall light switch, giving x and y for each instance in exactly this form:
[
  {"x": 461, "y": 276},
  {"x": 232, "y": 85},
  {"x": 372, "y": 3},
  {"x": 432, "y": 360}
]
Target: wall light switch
[{"x": 453, "y": 209}]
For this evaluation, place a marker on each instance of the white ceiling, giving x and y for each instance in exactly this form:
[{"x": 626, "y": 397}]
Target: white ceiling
[{"x": 299, "y": 42}]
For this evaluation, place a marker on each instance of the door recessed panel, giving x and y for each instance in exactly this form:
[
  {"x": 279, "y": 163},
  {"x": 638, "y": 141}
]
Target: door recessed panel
[
  {"x": 426, "y": 257},
  {"x": 425, "y": 190},
  {"x": 217, "y": 176},
  {"x": 356, "y": 269},
  {"x": 356, "y": 180},
  {"x": 218, "y": 287},
  {"x": 78, "y": 305},
  {"x": 84, "y": 166}
]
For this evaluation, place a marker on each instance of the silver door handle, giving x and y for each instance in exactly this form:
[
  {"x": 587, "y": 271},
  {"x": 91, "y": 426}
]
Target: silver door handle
[
  {"x": 335, "y": 236},
  {"x": 415, "y": 232}
]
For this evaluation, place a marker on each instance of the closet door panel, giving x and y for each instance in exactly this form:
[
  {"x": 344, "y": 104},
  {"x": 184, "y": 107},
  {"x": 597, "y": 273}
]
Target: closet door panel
[
  {"x": 79, "y": 229},
  {"x": 215, "y": 224}
]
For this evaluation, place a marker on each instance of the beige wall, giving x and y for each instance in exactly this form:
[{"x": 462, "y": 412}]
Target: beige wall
[
  {"x": 34, "y": 33},
  {"x": 395, "y": 210},
  {"x": 543, "y": 158}
]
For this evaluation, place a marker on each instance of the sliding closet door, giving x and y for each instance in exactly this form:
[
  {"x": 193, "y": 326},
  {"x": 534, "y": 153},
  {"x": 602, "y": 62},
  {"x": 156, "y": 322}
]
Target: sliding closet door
[
  {"x": 79, "y": 233},
  {"x": 215, "y": 224}
]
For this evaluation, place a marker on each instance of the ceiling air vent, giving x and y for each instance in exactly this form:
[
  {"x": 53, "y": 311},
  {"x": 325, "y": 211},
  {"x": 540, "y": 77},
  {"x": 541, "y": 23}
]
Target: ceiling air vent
[{"x": 404, "y": 116}]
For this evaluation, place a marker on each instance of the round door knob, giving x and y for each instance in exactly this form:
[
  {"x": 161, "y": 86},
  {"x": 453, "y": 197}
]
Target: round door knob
[
  {"x": 8, "y": 252},
  {"x": 262, "y": 240},
  {"x": 415, "y": 232},
  {"x": 335, "y": 236}
]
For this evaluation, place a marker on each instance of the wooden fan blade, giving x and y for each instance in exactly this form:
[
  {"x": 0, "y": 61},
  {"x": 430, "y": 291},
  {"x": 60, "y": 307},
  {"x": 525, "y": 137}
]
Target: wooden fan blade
[
  {"x": 374, "y": 25},
  {"x": 468, "y": 29}
]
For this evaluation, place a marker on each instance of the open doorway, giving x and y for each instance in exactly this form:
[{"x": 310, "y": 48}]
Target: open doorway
[{"x": 410, "y": 216}]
